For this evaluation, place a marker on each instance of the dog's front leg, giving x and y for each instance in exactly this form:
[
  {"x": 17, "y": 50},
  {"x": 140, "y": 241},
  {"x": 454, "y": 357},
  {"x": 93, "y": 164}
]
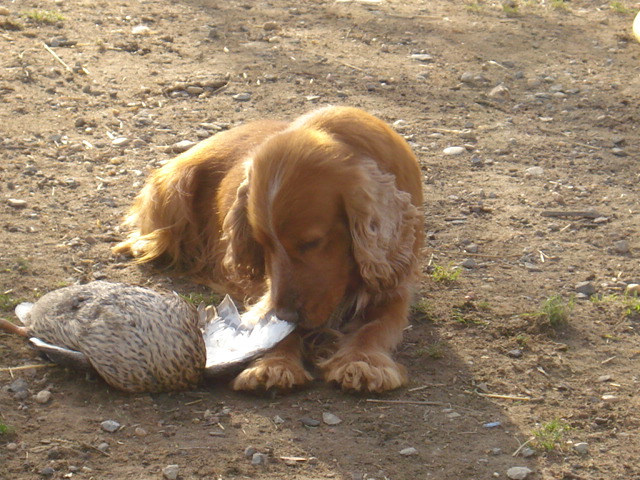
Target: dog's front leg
[
  {"x": 281, "y": 368},
  {"x": 363, "y": 360}
]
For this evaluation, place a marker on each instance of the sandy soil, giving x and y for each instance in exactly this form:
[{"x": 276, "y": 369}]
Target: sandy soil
[{"x": 544, "y": 101}]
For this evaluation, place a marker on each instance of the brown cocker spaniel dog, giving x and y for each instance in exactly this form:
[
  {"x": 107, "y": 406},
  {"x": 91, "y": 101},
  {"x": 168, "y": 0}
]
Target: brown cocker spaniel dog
[{"x": 321, "y": 217}]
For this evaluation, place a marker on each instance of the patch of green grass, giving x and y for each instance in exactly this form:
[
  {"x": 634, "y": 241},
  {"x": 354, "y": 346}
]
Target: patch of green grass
[
  {"x": 206, "y": 298},
  {"x": 483, "y": 305},
  {"x": 465, "y": 316},
  {"x": 550, "y": 436},
  {"x": 474, "y": 7},
  {"x": 434, "y": 351},
  {"x": 22, "y": 265},
  {"x": 522, "y": 340},
  {"x": 48, "y": 17},
  {"x": 510, "y": 8},
  {"x": 6, "y": 429},
  {"x": 630, "y": 303},
  {"x": 559, "y": 4},
  {"x": 8, "y": 303},
  {"x": 554, "y": 311},
  {"x": 422, "y": 310},
  {"x": 620, "y": 7},
  {"x": 447, "y": 274}
]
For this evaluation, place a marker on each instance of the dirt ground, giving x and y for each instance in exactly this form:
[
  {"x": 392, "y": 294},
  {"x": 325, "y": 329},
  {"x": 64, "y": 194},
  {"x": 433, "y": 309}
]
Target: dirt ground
[{"x": 542, "y": 96}]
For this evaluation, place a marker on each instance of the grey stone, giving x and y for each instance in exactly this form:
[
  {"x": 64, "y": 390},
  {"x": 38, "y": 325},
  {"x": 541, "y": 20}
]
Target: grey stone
[
  {"x": 518, "y": 473},
  {"x": 171, "y": 472},
  {"x": 110, "y": 426},
  {"x": 586, "y": 288}
]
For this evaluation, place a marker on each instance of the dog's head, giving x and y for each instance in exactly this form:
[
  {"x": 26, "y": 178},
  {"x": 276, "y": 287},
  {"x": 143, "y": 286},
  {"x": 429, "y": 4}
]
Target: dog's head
[{"x": 322, "y": 223}]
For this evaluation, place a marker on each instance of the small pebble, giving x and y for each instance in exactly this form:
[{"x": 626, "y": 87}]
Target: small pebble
[
  {"x": 270, "y": 26},
  {"x": 527, "y": 452},
  {"x": 141, "y": 30},
  {"x": 469, "y": 263},
  {"x": 454, "y": 150},
  {"x": 310, "y": 422},
  {"x": 43, "y": 397},
  {"x": 471, "y": 248},
  {"x": 492, "y": 424},
  {"x": 170, "y": 472},
  {"x": 515, "y": 353},
  {"x": 110, "y": 426},
  {"x": 534, "y": 171},
  {"x": 496, "y": 451},
  {"x": 140, "y": 432},
  {"x": 12, "y": 447},
  {"x": 249, "y": 452},
  {"x": 330, "y": 419},
  {"x": 16, "y": 203},
  {"x": 633, "y": 289},
  {"x": 499, "y": 92},
  {"x": 47, "y": 472},
  {"x": 4, "y": 11},
  {"x": 241, "y": 97},
  {"x": 182, "y": 146},
  {"x": 586, "y": 288},
  {"x": 518, "y": 473},
  {"x": 619, "y": 152},
  {"x": 407, "y": 452},
  {"x": 259, "y": 459},
  {"x": 476, "y": 161},
  {"x": 121, "y": 142},
  {"x": 582, "y": 448},
  {"x": 278, "y": 420},
  {"x": 621, "y": 247},
  {"x": 103, "y": 447},
  {"x": 421, "y": 57}
]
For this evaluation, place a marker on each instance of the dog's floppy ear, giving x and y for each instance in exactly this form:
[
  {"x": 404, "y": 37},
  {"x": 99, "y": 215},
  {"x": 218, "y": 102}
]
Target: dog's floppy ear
[
  {"x": 243, "y": 259},
  {"x": 383, "y": 224}
]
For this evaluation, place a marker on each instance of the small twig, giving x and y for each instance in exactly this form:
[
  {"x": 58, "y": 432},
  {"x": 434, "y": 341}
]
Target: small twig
[
  {"x": 86, "y": 445},
  {"x": 27, "y": 367},
  {"x": 193, "y": 402},
  {"x": 570, "y": 213},
  {"x": 350, "y": 66},
  {"x": 406, "y": 402},
  {"x": 504, "y": 397},
  {"x": 604, "y": 362},
  {"x": 297, "y": 459},
  {"x": 481, "y": 255},
  {"x": 416, "y": 389},
  {"x": 448, "y": 130},
  {"x": 522, "y": 446},
  {"x": 57, "y": 57}
]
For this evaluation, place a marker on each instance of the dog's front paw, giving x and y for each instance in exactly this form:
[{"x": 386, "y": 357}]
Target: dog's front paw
[
  {"x": 364, "y": 371},
  {"x": 272, "y": 372}
]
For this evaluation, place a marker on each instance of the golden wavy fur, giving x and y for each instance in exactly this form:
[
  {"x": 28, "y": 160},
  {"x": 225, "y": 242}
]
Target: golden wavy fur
[{"x": 320, "y": 217}]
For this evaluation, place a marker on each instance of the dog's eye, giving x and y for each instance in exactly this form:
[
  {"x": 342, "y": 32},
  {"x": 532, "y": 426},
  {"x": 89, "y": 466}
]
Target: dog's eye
[{"x": 310, "y": 245}]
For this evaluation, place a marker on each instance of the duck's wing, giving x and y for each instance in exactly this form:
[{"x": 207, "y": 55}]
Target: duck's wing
[
  {"x": 60, "y": 355},
  {"x": 232, "y": 343}
]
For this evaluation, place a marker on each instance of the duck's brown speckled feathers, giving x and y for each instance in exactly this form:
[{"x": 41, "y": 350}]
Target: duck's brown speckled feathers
[{"x": 136, "y": 339}]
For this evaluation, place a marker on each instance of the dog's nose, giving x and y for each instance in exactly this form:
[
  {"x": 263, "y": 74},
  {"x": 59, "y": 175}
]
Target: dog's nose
[{"x": 288, "y": 315}]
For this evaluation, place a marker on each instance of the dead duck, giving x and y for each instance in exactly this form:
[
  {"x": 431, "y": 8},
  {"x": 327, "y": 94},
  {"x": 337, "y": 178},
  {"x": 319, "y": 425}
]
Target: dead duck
[{"x": 140, "y": 340}]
